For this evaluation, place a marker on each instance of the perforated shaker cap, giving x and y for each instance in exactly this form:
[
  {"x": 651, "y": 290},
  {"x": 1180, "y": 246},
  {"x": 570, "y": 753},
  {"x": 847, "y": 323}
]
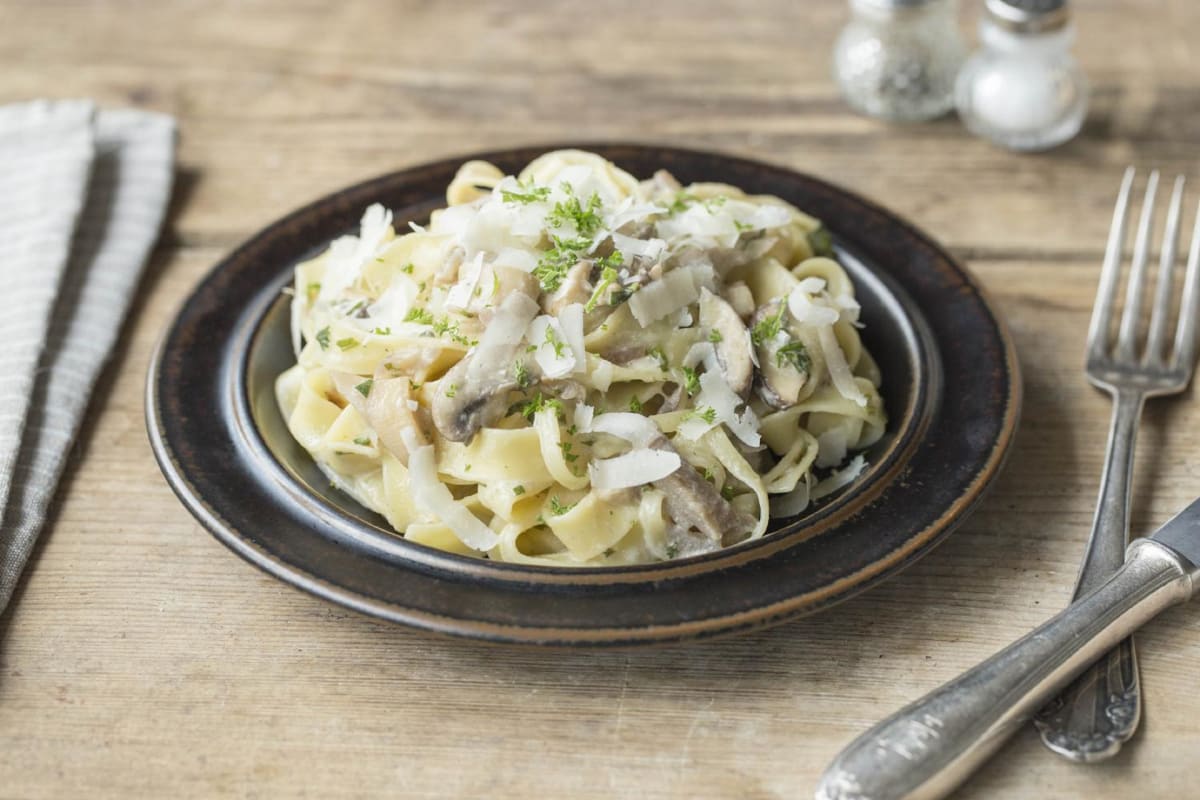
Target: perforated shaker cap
[{"x": 1028, "y": 16}]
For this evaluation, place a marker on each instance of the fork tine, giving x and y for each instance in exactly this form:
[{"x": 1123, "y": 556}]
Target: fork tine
[
  {"x": 1166, "y": 272},
  {"x": 1127, "y": 336},
  {"x": 1186, "y": 340},
  {"x": 1105, "y": 292}
]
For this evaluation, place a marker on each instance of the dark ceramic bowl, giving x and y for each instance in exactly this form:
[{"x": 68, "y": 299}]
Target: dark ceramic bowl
[{"x": 224, "y": 447}]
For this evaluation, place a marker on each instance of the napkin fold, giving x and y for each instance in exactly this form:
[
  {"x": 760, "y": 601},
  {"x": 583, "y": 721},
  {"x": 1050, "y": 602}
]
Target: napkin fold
[{"x": 83, "y": 193}]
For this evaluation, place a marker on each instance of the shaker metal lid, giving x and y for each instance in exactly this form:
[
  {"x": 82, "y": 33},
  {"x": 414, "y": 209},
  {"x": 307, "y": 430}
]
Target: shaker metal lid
[
  {"x": 1028, "y": 16},
  {"x": 890, "y": 5}
]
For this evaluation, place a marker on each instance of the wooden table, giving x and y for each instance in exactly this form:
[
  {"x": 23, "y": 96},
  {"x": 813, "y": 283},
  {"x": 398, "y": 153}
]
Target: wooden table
[{"x": 140, "y": 659}]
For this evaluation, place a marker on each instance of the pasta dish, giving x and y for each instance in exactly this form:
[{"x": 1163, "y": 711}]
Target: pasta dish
[{"x": 572, "y": 366}]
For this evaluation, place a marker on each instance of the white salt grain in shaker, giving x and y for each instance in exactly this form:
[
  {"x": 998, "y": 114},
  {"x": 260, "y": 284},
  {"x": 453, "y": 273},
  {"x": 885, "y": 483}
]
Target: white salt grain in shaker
[
  {"x": 897, "y": 59},
  {"x": 1023, "y": 90}
]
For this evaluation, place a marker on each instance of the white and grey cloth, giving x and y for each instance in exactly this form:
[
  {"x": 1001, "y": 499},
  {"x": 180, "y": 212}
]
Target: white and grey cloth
[{"x": 83, "y": 193}]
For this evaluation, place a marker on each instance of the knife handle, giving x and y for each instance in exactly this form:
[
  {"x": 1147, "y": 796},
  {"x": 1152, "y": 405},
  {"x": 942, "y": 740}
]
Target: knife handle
[{"x": 929, "y": 747}]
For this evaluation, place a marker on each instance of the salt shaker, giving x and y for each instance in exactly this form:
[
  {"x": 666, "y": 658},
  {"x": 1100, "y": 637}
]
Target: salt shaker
[
  {"x": 1023, "y": 90},
  {"x": 897, "y": 59}
]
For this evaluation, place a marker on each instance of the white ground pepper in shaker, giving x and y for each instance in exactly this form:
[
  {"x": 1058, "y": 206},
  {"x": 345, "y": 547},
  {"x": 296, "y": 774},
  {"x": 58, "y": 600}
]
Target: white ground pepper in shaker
[
  {"x": 1023, "y": 90},
  {"x": 897, "y": 59}
]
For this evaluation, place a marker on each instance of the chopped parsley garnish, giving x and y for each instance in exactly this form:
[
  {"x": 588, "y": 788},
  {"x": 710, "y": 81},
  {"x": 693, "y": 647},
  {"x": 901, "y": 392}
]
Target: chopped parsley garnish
[
  {"x": 349, "y": 343},
  {"x": 821, "y": 242},
  {"x": 614, "y": 259},
  {"x": 672, "y": 550},
  {"x": 681, "y": 202},
  {"x": 408, "y": 268},
  {"x": 313, "y": 289},
  {"x": 794, "y": 354},
  {"x": 607, "y": 276},
  {"x": 552, "y": 267},
  {"x": 323, "y": 338},
  {"x": 364, "y": 388},
  {"x": 528, "y": 194},
  {"x": 518, "y": 490},
  {"x": 709, "y": 475},
  {"x": 727, "y": 492},
  {"x": 365, "y": 441},
  {"x": 708, "y": 414},
  {"x": 661, "y": 357},
  {"x": 635, "y": 405},
  {"x": 558, "y": 508},
  {"x": 691, "y": 380},
  {"x": 524, "y": 379},
  {"x": 568, "y": 456},
  {"x": 742, "y": 227},
  {"x": 586, "y": 220},
  {"x": 530, "y": 408},
  {"x": 444, "y": 327},
  {"x": 413, "y": 385},
  {"x": 382, "y": 331},
  {"x": 768, "y": 328},
  {"x": 714, "y": 336},
  {"x": 420, "y": 315},
  {"x": 451, "y": 390},
  {"x": 555, "y": 342}
]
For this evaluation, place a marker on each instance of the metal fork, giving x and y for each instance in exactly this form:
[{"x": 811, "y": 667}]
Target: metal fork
[{"x": 1093, "y": 717}]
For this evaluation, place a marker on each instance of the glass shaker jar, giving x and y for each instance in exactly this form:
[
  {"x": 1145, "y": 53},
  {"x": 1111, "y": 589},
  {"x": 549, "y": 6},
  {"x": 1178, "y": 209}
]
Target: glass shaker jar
[
  {"x": 1023, "y": 90},
  {"x": 897, "y": 59}
]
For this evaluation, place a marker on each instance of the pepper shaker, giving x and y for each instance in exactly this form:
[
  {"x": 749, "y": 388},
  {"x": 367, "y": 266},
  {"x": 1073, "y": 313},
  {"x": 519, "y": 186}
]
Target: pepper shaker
[
  {"x": 1023, "y": 90},
  {"x": 897, "y": 59}
]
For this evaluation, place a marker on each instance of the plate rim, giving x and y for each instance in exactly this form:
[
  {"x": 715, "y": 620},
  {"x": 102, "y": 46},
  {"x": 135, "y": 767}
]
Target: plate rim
[{"x": 911, "y": 548}]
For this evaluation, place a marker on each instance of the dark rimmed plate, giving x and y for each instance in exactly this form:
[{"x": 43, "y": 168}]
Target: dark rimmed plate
[{"x": 223, "y": 447}]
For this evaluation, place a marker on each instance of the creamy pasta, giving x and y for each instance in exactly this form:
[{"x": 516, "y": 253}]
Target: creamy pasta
[{"x": 574, "y": 367}]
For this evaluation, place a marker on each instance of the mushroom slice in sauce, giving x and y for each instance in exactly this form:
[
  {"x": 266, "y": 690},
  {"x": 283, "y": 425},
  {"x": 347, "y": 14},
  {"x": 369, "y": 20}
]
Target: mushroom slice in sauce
[
  {"x": 731, "y": 341},
  {"x": 474, "y": 392},
  {"x": 385, "y": 407},
  {"x": 780, "y": 378},
  {"x": 704, "y": 521}
]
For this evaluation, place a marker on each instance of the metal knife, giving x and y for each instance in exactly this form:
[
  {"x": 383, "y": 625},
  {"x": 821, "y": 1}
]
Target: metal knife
[{"x": 928, "y": 748}]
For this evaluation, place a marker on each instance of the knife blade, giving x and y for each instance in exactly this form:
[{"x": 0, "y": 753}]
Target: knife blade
[
  {"x": 928, "y": 748},
  {"x": 1182, "y": 534}
]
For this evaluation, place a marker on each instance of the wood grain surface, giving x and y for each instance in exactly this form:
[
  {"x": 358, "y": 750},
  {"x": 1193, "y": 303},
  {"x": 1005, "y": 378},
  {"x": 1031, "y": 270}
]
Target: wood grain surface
[{"x": 140, "y": 659}]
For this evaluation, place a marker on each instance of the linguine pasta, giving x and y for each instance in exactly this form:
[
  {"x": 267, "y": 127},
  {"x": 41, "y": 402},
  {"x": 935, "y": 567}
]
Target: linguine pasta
[{"x": 574, "y": 367}]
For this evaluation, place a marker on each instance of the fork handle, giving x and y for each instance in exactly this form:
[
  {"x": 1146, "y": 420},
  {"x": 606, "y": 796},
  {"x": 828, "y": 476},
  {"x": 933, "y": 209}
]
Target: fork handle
[
  {"x": 925, "y": 750},
  {"x": 1099, "y": 711}
]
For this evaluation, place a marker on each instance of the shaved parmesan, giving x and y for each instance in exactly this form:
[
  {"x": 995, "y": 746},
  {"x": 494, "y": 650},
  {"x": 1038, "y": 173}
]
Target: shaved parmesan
[
  {"x": 347, "y": 255},
  {"x": 839, "y": 370},
  {"x": 431, "y": 496},
  {"x": 675, "y": 290},
  {"x": 843, "y": 477},
  {"x": 583, "y": 417},
  {"x": 633, "y": 428},
  {"x": 571, "y": 321},
  {"x": 649, "y": 249},
  {"x": 523, "y": 260},
  {"x": 554, "y": 355},
  {"x": 807, "y": 312},
  {"x": 635, "y": 468},
  {"x": 716, "y": 395},
  {"x": 811, "y": 284}
]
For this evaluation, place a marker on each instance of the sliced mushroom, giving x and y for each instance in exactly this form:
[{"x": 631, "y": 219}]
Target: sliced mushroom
[
  {"x": 474, "y": 392},
  {"x": 384, "y": 404},
  {"x": 731, "y": 340},
  {"x": 782, "y": 369},
  {"x": 703, "y": 519}
]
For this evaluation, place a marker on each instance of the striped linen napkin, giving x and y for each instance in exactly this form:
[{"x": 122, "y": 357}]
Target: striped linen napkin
[{"x": 82, "y": 195}]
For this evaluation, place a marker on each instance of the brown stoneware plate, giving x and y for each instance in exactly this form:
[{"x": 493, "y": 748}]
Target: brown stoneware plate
[{"x": 226, "y": 452}]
